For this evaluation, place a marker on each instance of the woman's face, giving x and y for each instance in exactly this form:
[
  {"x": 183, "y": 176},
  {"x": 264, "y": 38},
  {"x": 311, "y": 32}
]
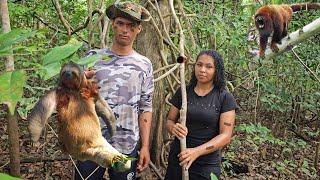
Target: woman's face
[{"x": 205, "y": 69}]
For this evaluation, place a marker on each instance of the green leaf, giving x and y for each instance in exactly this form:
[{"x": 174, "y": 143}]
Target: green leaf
[
  {"x": 89, "y": 61},
  {"x": 61, "y": 52},
  {"x": 120, "y": 164},
  {"x": 52, "y": 61},
  {"x": 11, "y": 88},
  {"x": 213, "y": 177},
  {"x": 51, "y": 70},
  {"x": 7, "y": 177},
  {"x": 13, "y": 37}
]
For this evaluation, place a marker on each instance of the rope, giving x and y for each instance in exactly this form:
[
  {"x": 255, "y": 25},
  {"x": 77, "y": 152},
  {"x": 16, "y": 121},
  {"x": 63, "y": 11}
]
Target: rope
[{"x": 73, "y": 160}]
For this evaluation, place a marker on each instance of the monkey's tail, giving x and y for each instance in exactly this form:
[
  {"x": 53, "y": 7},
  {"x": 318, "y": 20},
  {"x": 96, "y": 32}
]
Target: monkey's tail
[{"x": 304, "y": 6}]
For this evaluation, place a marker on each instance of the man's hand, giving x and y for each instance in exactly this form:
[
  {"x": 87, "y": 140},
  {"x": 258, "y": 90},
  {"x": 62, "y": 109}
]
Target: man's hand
[
  {"x": 89, "y": 73},
  {"x": 144, "y": 159}
]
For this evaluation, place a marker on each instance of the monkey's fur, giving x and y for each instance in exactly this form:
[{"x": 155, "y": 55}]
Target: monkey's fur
[
  {"x": 76, "y": 100},
  {"x": 274, "y": 19}
]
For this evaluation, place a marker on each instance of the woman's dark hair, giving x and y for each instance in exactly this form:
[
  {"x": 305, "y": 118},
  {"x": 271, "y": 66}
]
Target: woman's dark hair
[{"x": 218, "y": 79}]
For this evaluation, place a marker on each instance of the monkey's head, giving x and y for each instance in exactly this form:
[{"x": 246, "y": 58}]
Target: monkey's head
[
  {"x": 72, "y": 76},
  {"x": 260, "y": 21}
]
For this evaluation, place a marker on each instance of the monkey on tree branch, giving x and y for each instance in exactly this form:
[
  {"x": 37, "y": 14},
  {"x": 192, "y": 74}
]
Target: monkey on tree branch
[
  {"x": 77, "y": 103},
  {"x": 274, "y": 20}
]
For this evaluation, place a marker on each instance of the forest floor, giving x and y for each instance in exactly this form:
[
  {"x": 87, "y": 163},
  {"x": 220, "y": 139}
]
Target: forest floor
[{"x": 264, "y": 159}]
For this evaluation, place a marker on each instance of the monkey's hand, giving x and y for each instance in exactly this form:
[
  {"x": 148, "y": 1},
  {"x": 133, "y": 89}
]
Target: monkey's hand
[
  {"x": 105, "y": 112},
  {"x": 40, "y": 114}
]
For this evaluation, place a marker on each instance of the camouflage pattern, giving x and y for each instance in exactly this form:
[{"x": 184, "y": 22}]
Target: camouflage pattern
[{"x": 126, "y": 83}]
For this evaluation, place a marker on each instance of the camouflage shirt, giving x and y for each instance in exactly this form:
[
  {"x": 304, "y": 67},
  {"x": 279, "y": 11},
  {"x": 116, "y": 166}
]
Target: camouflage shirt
[{"x": 126, "y": 83}]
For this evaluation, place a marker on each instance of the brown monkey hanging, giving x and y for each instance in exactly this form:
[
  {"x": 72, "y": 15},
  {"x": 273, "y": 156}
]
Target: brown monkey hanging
[
  {"x": 274, "y": 20},
  {"x": 76, "y": 101}
]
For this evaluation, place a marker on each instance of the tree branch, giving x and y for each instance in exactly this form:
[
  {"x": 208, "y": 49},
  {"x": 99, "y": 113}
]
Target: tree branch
[
  {"x": 294, "y": 38},
  {"x": 62, "y": 19}
]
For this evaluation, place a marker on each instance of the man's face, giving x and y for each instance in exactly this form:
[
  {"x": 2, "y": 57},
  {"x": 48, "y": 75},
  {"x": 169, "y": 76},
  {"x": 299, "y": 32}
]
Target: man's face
[{"x": 125, "y": 31}]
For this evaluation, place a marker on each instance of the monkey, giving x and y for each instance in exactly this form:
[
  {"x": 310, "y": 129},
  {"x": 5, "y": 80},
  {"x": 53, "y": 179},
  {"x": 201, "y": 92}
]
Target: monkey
[
  {"x": 77, "y": 101},
  {"x": 274, "y": 20}
]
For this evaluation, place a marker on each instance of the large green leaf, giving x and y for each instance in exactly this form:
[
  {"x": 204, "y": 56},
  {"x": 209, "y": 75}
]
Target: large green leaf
[
  {"x": 13, "y": 37},
  {"x": 61, "y": 52},
  {"x": 7, "y": 177},
  {"x": 11, "y": 88},
  {"x": 51, "y": 70},
  {"x": 52, "y": 60},
  {"x": 89, "y": 61}
]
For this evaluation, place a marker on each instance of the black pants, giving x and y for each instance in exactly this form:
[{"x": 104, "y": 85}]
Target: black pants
[{"x": 174, "y": 172}]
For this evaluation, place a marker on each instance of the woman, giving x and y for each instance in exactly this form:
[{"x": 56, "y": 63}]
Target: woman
[{"x": 210, "y": 121}]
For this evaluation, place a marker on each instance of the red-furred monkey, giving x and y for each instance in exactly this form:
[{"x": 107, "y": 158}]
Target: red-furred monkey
[{"x": 274, "y": 20}]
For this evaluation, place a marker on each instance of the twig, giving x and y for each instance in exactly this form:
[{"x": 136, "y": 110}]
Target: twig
[
  {"x": 48, "y": 25},
  {"x": 156, "y": 170},
  {"x": 167, "y": 73},
  {"x": 163, "y": 68},
  {"x": 62, "y": 19},
  {"x": 87, "y": 21},
  {"x": 90, "y": 26},
  {"x": 169, "y": 41},
  {"x": 316, "y": 157},
  {"x": 57, "y": 29},
  {"x": 193, "y": 42},
  {"x": 187, "y": 15},
  {"x": 305, "y": 66},
  {"x": 257, "y": 98},
  {"x": 5, "y": 163},
  {"x": 39, "y": 159}
]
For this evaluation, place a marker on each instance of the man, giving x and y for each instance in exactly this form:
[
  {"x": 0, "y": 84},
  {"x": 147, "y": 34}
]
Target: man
[{"x": 126, "y": 83}]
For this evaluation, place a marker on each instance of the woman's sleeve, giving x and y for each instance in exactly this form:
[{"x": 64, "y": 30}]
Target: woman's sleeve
[
  {"x": 176, "y": 100},
  {"x": 228, "y": 103}
]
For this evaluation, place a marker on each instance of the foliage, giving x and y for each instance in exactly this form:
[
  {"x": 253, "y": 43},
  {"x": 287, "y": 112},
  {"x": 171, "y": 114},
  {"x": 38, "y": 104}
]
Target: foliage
[
  {"x": 282, "y": 87},
  {"x": 11, "y": 88},
  {"x": 52, "y": 61},
  {"x": 259, "y": 134},
  {"x": 254, "y": 138},
  {"x": 12, "y": 83},
  {"x": 7, "y": 177},
  {"x": 7, "y": 40}
]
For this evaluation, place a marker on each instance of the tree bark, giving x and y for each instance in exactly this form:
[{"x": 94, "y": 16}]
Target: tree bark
[
  {"x": 12, "y": 119},
  {"x": 149, "y": 46}
]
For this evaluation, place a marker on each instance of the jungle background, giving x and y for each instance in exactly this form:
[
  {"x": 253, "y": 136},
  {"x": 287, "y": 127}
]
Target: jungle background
[{"x": 277, "y": 127}]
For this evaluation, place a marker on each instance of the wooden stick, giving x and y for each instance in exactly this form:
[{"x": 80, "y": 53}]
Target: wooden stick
[{"x": 183, "y": 110}]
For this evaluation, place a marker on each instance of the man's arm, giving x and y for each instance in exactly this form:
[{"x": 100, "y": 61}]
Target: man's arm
[{"x": 145, "y": 119}]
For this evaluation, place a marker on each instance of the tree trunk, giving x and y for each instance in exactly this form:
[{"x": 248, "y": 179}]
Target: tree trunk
[
  {"x": 12, "y": 119},
  {"x": 149, "y": 46}
]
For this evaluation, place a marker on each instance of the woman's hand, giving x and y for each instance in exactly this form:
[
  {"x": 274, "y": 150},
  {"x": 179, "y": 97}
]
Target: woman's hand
[
  {"x": 179, "y": 130},
  {"x": 187, "y": 157}
]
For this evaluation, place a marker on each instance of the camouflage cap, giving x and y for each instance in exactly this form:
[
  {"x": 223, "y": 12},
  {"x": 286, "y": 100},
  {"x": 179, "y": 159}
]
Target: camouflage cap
[{"x": 128, "y": 10}]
